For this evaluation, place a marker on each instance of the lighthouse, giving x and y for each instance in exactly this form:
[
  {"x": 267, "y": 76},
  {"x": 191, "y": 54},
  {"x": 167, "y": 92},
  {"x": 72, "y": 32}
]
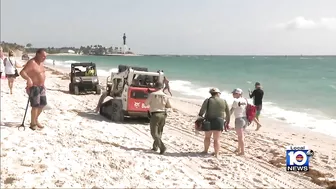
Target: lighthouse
[{"x": 124, "y": 43}]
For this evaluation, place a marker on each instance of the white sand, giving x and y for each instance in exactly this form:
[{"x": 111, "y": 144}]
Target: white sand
[{"x": 78, "y": 148}]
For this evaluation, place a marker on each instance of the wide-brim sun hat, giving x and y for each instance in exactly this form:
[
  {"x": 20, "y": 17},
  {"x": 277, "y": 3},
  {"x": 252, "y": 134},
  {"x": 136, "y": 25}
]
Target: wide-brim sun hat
[{"x": 214, "y": 90}]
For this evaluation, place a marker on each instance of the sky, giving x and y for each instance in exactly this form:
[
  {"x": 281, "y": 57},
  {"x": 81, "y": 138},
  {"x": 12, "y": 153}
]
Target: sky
[{"x": 217, "y": 27}]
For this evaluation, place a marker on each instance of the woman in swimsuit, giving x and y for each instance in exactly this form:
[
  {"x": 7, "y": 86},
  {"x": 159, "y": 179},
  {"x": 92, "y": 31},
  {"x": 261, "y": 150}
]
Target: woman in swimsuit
[{"x": 166, "y": 84}]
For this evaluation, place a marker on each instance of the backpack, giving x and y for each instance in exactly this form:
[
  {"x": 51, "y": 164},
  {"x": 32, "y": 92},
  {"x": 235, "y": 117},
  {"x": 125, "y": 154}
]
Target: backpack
[{"x": 251, "y": 111}]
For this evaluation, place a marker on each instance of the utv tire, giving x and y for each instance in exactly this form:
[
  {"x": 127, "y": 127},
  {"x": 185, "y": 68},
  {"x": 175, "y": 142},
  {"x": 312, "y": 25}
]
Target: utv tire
[
  {"x": 117, "y": 111},
  {"x": 71, "y": 89},
  {"x": 76, "y": 90},
  {"x": 98, "y": 90}
]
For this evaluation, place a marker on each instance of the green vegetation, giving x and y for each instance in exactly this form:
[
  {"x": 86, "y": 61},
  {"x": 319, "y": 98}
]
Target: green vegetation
[
  {"x": 88, "y": 50},
  {"x": 11, "y": 46}
]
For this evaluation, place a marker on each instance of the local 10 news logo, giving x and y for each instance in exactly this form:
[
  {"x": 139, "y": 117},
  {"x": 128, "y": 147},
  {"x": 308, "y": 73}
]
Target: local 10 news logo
[{"x": 298, "y": 157}]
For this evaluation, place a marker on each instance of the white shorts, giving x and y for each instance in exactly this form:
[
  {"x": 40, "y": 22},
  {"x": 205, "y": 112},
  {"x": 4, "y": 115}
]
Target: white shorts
[{"x": 241, "y": 123}]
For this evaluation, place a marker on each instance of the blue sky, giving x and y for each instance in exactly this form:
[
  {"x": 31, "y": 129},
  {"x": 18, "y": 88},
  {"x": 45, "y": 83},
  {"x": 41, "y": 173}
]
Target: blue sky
[{"x": 176, "y": 26}]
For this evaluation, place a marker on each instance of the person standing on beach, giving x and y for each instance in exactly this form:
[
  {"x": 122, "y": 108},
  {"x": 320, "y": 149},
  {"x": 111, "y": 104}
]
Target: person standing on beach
[
  {"x": 10, "y": 69},
  {"x": 257, "y": 95},
  {"x": 166, "y": 85},
  {"x": 2, "y": 66},
  {"x": 34, "y": 74},
  {"x": 241, "y": 122},
  {"x": 158, "y": 102},
  {"x": 215, "y": 110}
]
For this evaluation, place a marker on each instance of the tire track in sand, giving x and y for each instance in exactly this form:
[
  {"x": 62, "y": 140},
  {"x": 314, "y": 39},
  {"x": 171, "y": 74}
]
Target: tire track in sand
[
  {"x": 260, "y": 168},
  {"x": 188, "y": 169}
]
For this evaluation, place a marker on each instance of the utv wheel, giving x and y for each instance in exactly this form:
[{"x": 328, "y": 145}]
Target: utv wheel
[
  {"x": 70, "y": 88},
  {"x": 76, "y": 90},
  {"x": 98, "y": 90}
]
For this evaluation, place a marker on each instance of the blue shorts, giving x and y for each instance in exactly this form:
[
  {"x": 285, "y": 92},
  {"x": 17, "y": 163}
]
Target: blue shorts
[
  {"x": 37, "y": 96},
  {"x": 259, "y": 108}
]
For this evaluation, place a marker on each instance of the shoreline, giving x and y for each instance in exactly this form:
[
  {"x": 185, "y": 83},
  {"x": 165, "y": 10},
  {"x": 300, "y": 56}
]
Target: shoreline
[
  {"x": 265, "y": 115},
  {"x": 78, "y": 148}
]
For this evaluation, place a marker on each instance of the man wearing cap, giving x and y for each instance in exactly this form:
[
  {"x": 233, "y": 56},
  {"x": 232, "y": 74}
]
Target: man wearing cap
[
  {"x": 257, "y": 95},
  {"x": 239, "y": 109},
  {"x": 215, "y": 110},
  {"x": 158, "y": 102}
]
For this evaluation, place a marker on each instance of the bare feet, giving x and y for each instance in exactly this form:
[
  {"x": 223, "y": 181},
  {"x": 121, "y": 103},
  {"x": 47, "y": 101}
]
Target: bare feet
[
  {"x": 258, "y": 127},
  {"x": 97, "y": 110},
  {"x": 204, "y": 152},
  {"x": 241, "y": 154},
  {"x": 215, "y": 154},
  {"x": 33, "y": 127},
  {"x": 39, "y": 125}
]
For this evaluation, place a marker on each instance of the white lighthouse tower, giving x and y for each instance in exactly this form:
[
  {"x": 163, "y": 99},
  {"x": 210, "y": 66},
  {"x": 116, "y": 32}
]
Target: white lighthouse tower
[{"x": 124, "y": 42}]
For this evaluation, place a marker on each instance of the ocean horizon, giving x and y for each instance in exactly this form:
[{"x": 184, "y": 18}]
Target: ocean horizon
[{"x": 299, "y": 90}]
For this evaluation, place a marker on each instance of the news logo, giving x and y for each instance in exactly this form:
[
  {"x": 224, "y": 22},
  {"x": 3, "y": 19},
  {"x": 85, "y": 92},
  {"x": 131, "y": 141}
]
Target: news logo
[{"x": 297, "y": 158}]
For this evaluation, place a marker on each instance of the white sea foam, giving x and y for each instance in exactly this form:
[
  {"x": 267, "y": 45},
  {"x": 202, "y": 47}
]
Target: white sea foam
[{"x": 302, "y": 119}]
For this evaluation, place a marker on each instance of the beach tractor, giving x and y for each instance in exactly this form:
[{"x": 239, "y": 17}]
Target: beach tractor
[
  {"x": 83, "y": 78},
  {"x": 129, "y": 89}
]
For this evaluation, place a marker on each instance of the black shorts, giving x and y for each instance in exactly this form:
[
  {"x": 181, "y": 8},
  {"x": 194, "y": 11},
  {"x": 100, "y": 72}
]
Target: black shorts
[
  {"x": 216, "y": 124},
  {"x": 10, "y": 76},
  {"x": 37, "y": 96}
]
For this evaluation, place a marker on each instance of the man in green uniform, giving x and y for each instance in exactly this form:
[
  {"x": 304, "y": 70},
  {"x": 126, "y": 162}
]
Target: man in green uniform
[{"x": 158, "y": 102}]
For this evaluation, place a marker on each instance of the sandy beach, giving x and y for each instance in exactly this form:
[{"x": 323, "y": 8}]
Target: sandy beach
[{"x": 80, "y": 149}]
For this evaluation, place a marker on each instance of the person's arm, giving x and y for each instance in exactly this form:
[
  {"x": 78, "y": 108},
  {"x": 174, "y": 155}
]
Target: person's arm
[
  {"x": 148, "y": 100},
  {"x": 252, "y": 94},
  {"x": 28, "y": 68},
  {"x": 203, "y": 108},
  {"x": 234, "y": 105},
  {"x": 16, "y": 64},
  {"x": 227, "y": 113},
  {"x": 168, "y": 105}
]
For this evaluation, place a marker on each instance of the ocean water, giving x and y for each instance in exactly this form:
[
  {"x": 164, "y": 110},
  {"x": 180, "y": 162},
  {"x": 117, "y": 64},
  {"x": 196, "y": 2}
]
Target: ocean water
[{"x": 298, "y": 90}]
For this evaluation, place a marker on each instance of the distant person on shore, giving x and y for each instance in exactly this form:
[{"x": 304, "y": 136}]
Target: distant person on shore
[
  {"x": 239, "y": 109},
  {"x": 54, "y": 63},
  {"x": 2, "y": 65},
  {"x": 257, "y": 95},
  {"x": 166, "y": 85},
  {"x": 215, "y": 110},
  {"x": 158, "y": 102},
  {"x": 11, "y": 64},
  {"x": 34, "y": 74}
]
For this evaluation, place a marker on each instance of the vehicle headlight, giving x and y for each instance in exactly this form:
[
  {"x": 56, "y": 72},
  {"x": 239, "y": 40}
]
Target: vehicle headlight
[{"x": 95, "y": 80}]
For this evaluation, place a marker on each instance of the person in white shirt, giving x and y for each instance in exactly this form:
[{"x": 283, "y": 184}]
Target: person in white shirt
[
  {"x": 10, "y": 69},
  {"x": 241, "y": 122},
  {"x": 2, "y": 66}
]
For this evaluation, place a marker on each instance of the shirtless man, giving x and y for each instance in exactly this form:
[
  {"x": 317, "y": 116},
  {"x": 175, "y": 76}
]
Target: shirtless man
[
  {"x": 166, "y": 85},
  {"x": 34, "y": 74}
]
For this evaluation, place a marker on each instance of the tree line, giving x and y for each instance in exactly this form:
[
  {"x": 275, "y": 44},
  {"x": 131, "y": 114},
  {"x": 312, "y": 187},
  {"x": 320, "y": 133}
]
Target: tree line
[{"x": 87, "y": 50}]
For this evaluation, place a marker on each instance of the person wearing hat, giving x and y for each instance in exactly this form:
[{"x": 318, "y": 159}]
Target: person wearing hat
[
  {"x": 10, "y": 69},
  {"x": 158, "y": 102},
  {"x": 214, "y": 109},
  {"x": 257, "y": 95},
  {"x": 239, "y": 109}
]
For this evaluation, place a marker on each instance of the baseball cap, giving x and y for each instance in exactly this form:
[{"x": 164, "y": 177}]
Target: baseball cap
[
  {"x": 237, "y": 91},
  {"x": 257, "y": 83},
  {"x": 214, "y": 90}
]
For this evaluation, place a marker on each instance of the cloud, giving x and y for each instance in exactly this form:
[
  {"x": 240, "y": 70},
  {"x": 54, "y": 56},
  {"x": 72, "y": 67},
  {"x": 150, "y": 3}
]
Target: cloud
[{"x": 301, "y": 23}]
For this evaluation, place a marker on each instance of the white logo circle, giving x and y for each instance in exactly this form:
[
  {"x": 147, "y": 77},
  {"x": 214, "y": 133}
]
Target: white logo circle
[{"x": 295, "y": 161}]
